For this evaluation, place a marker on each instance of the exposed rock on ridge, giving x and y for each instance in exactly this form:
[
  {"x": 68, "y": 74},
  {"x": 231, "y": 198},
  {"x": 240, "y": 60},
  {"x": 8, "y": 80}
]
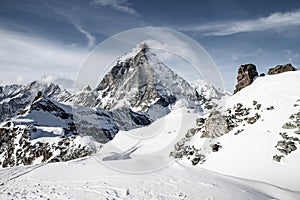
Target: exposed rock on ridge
[
  {"x": 246, "y": 75},
  {"x": 281, "y": 68}
]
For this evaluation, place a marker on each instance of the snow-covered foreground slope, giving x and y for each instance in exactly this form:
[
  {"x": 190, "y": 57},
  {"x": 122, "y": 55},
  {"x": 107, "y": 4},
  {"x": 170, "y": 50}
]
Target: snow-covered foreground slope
[
  {"x": 93, "y": 177},
  {"x": 249, "y": 153},
  {"x": 147, "y": 149},
  {"x": 89, "y": 179}
]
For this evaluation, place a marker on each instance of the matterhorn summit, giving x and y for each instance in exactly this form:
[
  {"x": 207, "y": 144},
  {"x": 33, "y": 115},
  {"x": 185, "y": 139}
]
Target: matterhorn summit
[{"x": 139, "y": 80}]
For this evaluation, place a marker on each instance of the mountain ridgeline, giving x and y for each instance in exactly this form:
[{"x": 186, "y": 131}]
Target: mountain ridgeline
[
  {"x": 138, "y": 81},
  {"x": 142, "y": 81},
  {"x": 138, "y": 90}
]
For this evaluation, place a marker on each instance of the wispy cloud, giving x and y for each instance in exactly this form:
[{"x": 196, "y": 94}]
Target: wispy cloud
[
  {"x": 119, "y": 5},
  {"x": 275, "y": 21},
  {"x": 257, "y": 53},
  {"x": 90, "y": 38},
  {"x": 291, "y": 56}
]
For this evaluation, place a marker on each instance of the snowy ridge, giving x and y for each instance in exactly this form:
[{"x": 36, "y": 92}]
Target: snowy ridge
[
  {"x": 14, "y": 98},
  {"x": 43, "y": 132},
  {"x": 208, "y": 91},
  {"x": 132, "y": 53},
  {"x": 260, "y": 138}
]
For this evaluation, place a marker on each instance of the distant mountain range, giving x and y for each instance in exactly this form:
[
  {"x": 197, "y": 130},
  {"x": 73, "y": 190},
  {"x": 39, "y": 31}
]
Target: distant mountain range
[{"x": 137, "y": 91}]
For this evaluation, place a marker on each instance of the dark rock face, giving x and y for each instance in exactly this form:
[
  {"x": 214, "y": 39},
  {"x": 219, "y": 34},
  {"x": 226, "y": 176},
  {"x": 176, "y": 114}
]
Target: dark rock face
[
  {"x": 262, "y": 74},
  {"x": 139, "y": 119},
  {"x": 73, "y": 120},
  {"x": 281, "y": 68},
  {"x": 17, "y": 149},
  {"x": 277, "y": 158},
  {"x": 245, "y": 77},
  {"x": 126, "y": 119},
  {"x": 216, "y": 147},
  {"x": 141, "y": 81},
  {"x": 216, "y": 124},
  {"x": 46, "y": 105},
  {"x": 166, "y": 100}
]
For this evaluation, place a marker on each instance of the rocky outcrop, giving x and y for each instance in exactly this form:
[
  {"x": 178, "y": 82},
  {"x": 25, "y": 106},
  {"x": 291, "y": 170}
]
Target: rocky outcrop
[
  {"x": 16, "y": 148},
  {"x": 281, "y": 68},
  {"x": 46, "y": 112},
  {"x": 245, "y": 77},
  {"x": 213, "y": 126},
  {"x": 290, "y": 139},
  {"x": 216, "y": 124}
]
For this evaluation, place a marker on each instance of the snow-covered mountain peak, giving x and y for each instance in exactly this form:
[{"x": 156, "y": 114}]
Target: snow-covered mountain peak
[
  {"x": 208, "y": 91},
  {"x": 139, "y": 80},
  {"x": 86, "y": 88},
  {"x": 141, "y": 48}
]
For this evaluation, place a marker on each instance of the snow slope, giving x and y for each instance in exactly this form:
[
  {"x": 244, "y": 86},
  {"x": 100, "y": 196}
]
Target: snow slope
[
  {"x": 249, "y": 154},
  {"x": 89, "y": 179},
  {"x": 93, "y": 177},
  {"x": 147, "y": 149}
]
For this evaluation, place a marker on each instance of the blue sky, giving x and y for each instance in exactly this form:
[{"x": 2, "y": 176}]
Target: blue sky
[{"x": 40, "y": 37}]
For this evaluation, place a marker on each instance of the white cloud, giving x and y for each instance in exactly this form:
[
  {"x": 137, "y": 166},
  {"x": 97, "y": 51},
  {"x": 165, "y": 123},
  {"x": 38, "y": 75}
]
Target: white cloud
[
  {"x": 25, "y": 58},
  {"x": 20, "y": 79},
  {"x": 119, "y": 5},
  {"x": 275, "y": 21},
  {"x": 62, "y": 81},
  {"x": 91, "y": 39}
]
